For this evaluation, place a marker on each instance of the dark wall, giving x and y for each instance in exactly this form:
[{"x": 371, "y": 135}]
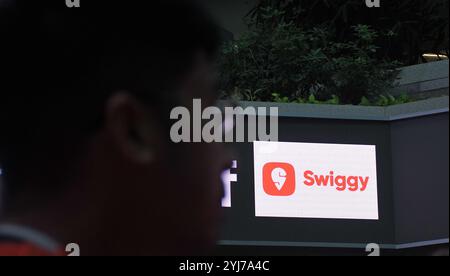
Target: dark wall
[
  {"x": 242, "y": 225},
  {"x": 421, "y": 183}
]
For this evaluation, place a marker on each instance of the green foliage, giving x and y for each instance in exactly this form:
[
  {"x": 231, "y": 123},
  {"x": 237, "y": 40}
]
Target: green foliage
[
  {"x": 382, "y": 100},
  {"x": 303, "y": 65},
  {"x": 385, "y": 100},
  {"x": 411, "y": 27},
  {"x": 365, "y": 102},
  {"x": 312, "y": 100},
  {"x": 279, "y": 99}
]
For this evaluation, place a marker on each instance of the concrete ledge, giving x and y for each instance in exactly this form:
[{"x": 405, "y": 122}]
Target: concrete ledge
[
  {"x": 330, "y": 244},
  {"x": 423, "y": 80},
  {"x": 417, "y": 109},
  {"x": 424, "y": 72},
  {"x": 351, "y": 112}
]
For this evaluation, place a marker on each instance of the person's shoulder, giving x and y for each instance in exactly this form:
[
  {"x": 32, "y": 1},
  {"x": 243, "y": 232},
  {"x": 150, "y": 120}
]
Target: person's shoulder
[{"x": 18, "y": 240}]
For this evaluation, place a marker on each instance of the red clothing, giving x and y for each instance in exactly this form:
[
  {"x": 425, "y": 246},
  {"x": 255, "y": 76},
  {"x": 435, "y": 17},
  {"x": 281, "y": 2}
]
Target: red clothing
[
  {"x": 16, "y": 240},
  {"x": 25, "y": 249}
]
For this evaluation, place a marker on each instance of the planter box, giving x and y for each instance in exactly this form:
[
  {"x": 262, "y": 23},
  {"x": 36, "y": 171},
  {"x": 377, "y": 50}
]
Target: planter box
[{"x": 412, "y": 167}]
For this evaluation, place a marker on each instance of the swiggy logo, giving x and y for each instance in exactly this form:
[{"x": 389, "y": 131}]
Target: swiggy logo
[{"x": 279, "y": 179}]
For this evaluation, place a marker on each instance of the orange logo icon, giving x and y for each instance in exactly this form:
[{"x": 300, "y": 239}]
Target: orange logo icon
[{"x": 279, "y": 179}]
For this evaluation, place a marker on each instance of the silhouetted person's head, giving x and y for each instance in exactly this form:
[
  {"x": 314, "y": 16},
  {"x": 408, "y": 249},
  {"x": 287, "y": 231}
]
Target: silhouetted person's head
[{"x": 85, "y": 100}]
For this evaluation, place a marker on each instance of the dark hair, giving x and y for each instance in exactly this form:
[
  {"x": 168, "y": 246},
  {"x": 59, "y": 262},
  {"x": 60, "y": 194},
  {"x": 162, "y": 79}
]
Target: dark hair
[{"x": 58, "y": 65}]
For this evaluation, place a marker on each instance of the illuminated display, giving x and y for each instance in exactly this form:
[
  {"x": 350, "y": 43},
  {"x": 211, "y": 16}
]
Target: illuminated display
[{"x": 305, "y": 180}]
